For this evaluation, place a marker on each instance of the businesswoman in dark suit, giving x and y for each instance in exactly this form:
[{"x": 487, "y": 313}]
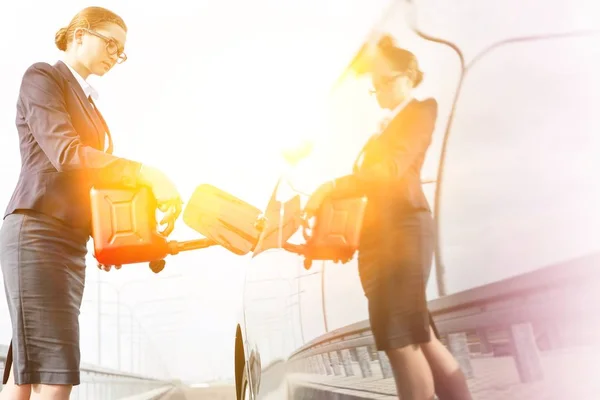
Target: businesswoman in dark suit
[
  {"x": 397, "y": 238},
  {"x": 65, "y": 149}
]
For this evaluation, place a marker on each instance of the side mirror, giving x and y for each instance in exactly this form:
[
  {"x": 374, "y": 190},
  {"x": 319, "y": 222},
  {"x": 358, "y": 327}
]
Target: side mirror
[{"x": 223, "y": 218}]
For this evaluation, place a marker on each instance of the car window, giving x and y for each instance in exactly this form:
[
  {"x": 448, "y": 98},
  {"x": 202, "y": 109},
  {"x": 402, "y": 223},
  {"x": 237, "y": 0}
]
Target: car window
[
  {"x": 475, "y": 24},
  {"x": 520, "y": 189},
  {"x": 351, "y": 114}
]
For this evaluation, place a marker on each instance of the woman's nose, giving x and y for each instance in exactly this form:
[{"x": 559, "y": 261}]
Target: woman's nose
[{"x": 113, "y": 57}]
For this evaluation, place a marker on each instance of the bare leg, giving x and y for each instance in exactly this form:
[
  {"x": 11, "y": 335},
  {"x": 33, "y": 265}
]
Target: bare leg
[
  {"x": 414, "y": 379},
  {"x": 450, "y": 382},
  {"x": 11, "y": 391},
  {"x": 51, "y": 392}
]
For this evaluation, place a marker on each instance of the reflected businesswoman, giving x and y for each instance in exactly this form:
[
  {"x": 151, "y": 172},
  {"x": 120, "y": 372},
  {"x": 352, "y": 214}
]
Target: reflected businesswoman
[
  {"x": 398, "y": 234},
  {"x": 65, "y": 148}
]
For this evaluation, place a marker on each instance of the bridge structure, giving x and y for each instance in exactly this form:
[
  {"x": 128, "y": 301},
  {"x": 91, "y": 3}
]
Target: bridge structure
[{"x": 532, "y": 336}]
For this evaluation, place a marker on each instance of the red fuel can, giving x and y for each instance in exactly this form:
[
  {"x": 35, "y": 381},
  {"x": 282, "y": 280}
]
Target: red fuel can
[
  {"x": 124, "y": 226},
  {"x": 336, "y": 233}
]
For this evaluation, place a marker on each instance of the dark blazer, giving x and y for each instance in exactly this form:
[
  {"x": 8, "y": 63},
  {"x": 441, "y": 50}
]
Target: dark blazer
[
  {"x": 62, "y": 139},
  {"x": 390, "y": 171}
]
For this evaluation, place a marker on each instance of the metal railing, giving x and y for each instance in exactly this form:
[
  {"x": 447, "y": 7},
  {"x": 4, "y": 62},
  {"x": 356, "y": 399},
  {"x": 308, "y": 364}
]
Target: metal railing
[
  {"x": 529, "y": 314},
  {"x": 99, "y": 383}
]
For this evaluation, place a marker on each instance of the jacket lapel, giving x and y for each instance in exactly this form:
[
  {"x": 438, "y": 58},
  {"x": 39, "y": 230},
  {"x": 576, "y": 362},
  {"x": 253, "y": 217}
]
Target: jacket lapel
[
  {"x": 85, "y": 103},
  {"x": 107, "y": 135},
  {"x": 378, "y": 143},
  {"x": 400, "y": 116}
]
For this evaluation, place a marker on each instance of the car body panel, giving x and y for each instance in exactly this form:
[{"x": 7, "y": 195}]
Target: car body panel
[{"x": 516, "y": 190}]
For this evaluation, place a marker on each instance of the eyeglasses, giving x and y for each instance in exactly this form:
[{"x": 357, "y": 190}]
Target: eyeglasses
[{"x": 111, "y": 46}]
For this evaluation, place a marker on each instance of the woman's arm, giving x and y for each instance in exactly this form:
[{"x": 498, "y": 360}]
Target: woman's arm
[
  {"x": 400, "y": 153},
  {"x": 45, "y": 111}
]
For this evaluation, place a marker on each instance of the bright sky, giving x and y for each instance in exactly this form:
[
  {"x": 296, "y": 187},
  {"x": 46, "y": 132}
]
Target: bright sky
[
  {"x": 202, "y": 96},
  {"x": 213, "y": 89}
]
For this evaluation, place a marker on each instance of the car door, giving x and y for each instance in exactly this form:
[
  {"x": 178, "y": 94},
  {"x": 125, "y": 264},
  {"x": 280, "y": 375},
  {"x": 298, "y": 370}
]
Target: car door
[
  {"x": 271, "y": 319},
  {"x": 305, "y": 283}
]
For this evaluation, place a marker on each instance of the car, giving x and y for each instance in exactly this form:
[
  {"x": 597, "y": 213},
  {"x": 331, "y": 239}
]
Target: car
[{"x": 510, "y": 177}]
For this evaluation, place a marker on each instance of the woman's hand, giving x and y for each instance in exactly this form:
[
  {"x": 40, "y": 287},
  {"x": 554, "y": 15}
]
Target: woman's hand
[
  {"x": 317, "y": 198},
  {"x": 108, "y": 267},
  {"x": 165, "y": 192},
  {"x": 105, "y": 267}
]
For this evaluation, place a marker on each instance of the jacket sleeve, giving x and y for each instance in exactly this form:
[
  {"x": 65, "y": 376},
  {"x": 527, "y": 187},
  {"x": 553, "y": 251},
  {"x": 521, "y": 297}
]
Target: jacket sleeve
[
  {"x": 401, "y": 151},
  {"x": 44, "y": 109}
]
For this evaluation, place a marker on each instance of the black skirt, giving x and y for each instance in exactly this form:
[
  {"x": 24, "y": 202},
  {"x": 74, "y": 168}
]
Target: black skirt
[
  {"x": 394, "y": 262},
  {"x": 43, "y": 264}
]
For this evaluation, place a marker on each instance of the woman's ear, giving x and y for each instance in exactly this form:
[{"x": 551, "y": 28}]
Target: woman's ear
[
  {"x": 405, "y": 85},
  {"x": 78, "y": 35}
]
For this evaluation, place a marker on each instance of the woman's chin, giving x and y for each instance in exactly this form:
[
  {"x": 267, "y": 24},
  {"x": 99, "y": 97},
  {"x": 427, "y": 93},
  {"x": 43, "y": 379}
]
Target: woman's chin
[
  {"x": 385, "y": 105},
  {"x": 101, "y": 69}
]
